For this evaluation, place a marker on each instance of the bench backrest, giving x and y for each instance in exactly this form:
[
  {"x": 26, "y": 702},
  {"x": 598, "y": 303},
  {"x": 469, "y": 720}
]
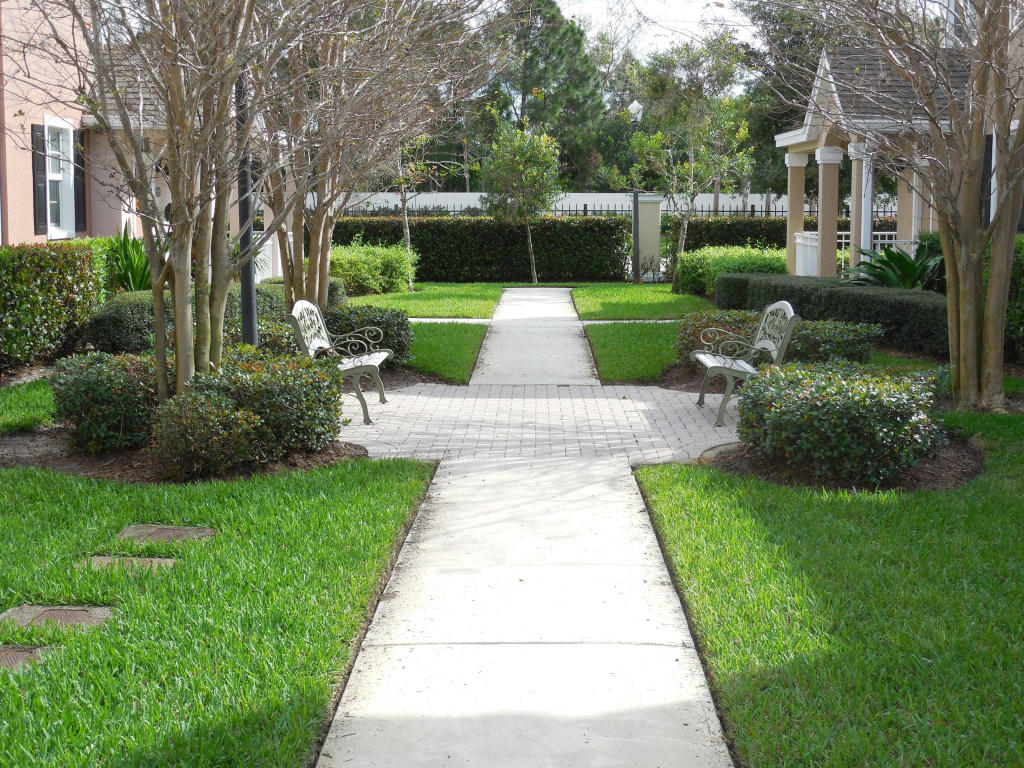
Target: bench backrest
[
  {"x": 776, "y": 329},
  {"x": 310, "y": 329}
]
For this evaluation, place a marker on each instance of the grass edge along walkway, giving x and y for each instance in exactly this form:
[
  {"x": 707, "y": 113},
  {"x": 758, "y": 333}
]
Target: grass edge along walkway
[
  {"x": 857, "y": 628},
  {"x": 230, "y": 657},
  {"x": 448, "y": 350}
]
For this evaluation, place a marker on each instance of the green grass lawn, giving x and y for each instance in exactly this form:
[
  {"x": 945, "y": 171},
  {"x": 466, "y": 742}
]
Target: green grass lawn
[
  {"x": 448, "y": 350},
  {"x": 25, "y": 406},
  {"x": 858, "y": 629},
  {"x": 476, "y": 300},
  {"x": 633, "y": 351},
  {"x": 227, "y": 659},
  {"x": 594, "y": 301},
  {"x": 625, "y": 301}
]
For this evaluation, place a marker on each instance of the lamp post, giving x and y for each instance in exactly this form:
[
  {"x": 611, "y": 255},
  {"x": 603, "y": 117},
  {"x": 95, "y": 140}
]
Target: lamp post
[{"x": 636, "y": 113}]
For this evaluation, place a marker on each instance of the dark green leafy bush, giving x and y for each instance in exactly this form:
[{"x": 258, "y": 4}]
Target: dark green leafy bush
[
  {"x": 1015, "y": 307},
  {"x": 276, "y": 338},
  {"x": 373, "y": 268},
  {"x": 46, "y": 293},
  {"x": 913, "y": 320},
  {"x": 760, "y": 231},
  {"x": 393, "y": 322},
  {"x": 697, "y": 271},
  {"x": 203, "y": 432},
  {"x": 813, "y": 341},
  {"x": 108, "y": 401},
  {"x": 839, "y": 421},
  {"x": 125, "y": 323},
  {"x": 298, "y": 400},
  {"x": 480, "y": 249}
]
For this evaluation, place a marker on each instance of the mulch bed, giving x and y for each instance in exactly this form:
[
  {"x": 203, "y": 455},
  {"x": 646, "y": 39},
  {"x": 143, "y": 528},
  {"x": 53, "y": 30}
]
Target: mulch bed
[
  {"x": 954, "y": 464},
  {"x": 24, "y": 375},
  {"x": 49, "y": 448}
]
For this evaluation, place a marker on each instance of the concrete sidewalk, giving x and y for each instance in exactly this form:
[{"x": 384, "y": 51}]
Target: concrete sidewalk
[
  {"x": 530, "y": 622},
  {"x": 535, "y": 337}
]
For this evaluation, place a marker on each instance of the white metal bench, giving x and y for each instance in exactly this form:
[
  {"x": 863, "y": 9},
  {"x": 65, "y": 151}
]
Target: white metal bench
[
  {"x": 726, "y": 354},
  {"x": 358, "y": 351}
]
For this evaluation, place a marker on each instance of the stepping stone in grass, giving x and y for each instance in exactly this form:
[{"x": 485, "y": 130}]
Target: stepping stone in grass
[
  {"x": 13, "y": 656},
  {"x": 147, "y": 532},
  {"x": 61, "y": 615},
  {"x": 128, "y": 563}
]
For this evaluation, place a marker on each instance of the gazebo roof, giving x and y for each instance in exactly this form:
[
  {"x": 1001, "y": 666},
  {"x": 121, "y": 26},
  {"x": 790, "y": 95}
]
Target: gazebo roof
[{"x": 857, "y": 86}]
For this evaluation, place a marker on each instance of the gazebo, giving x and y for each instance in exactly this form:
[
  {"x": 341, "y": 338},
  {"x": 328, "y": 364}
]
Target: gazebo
[{"x": 854, "y": 102}]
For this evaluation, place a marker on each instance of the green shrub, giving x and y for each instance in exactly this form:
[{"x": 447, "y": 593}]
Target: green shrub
[
  {"x": 108, "y": 401},
  {"x": 125, "y": 323},
  {"x": 760, "y": 231},
  {"x": 275, "y": 338},
  {"x": 393, "y": 322},
  {"x": 896, "y": 268},
  {"x": 200, "y": 433},
  {"x": 731, "y": 289},
  {"x": 813, "y": 341},
  {"x": 697, "y": 271},
  {"x": 913, "y": 321},
  {"x": 46, "y": 293},
  {"x": 1015, "y": 307},
  {"x": 373, "y": 268},
  {"x": 839, "y": 421},
  {"x": 480, "y": 249},
  {"x": 298, "y": 400}
]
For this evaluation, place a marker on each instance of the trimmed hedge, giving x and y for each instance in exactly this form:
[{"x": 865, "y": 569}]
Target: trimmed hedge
[
  {"x": 125, "y": 323},
  {"x": 697, "y": 271},
  {"x": 813, "y": 340},
  {"x": 839, "y": 421},
  {"x": 763, "y": 231},
  {"x": 46, "y": 292},
  {"x": 913, "y": 321},
  {"x": 480, "y": 249},
  {"x": 393, "y": 322}
]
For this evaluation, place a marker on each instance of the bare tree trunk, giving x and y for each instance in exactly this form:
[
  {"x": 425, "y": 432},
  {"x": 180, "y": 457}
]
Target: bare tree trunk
[
  {"x": 1000, "y": 266},
  {"x": 406, "y": 234},
  {"x": 181, "y": 292},
  {"x": 465, "y": 162},
  {"x": 950, "y": 260},
  {"x": 297, "y": 246},
  {"x": 326, "y": 231},
  {"x": 529, "y": 248},
  {"x": 201, "y": 259},
  {"x": 221, "y": 263}
]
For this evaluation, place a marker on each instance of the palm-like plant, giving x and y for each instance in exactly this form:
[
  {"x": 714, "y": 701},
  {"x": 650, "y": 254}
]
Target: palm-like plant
[
  {"x": 895, "y": 268},
  {"x": 129, "y": 266}
]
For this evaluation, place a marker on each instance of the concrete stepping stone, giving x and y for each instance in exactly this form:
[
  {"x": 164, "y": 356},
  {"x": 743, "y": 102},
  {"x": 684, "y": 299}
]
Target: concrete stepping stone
[
  {"x": 148, "y": 532},
  {"x": 128, "y": 563},
  {"x": 61, "y": 615},
  {"x": 14, "y": 656}
]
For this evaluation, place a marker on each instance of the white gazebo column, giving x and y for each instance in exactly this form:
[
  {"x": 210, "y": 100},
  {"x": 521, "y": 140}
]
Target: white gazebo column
[
  {"x": 861, "y": 201},
  {"x": 828, "y": 159},
  {"x": 796, "y": 162},
  {"x": 905, "y": 208}
]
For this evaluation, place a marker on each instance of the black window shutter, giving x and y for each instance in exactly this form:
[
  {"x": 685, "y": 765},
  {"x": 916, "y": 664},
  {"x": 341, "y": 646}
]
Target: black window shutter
[
  {"x": 80, "y": 218},
  {"x": 39, "y": 212}
]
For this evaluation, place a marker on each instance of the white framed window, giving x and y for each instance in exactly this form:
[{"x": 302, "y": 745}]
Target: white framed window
[{"x": 60, "y": 178}]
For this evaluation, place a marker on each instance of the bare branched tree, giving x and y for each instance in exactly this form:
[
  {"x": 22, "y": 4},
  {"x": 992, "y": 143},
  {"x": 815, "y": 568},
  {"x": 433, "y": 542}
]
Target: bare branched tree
[
  {"x": 332, "y": 87},
  {"x": 923, "y": 84}
]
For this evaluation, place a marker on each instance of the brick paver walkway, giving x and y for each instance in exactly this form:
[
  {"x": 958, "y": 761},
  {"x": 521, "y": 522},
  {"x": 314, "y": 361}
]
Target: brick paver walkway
[{"x": 644, "y": 425}]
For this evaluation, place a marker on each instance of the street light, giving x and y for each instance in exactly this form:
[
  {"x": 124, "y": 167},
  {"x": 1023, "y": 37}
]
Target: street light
[{"x": 636, "y": 113}]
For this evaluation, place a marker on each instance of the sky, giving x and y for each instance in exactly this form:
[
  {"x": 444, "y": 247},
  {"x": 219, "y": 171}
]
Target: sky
[{"x": 665, "y": 22}]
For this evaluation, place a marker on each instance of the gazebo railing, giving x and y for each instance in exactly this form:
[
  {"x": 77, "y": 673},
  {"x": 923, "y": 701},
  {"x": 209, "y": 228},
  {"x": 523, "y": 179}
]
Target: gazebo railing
[{"x": 807, "y": 248}]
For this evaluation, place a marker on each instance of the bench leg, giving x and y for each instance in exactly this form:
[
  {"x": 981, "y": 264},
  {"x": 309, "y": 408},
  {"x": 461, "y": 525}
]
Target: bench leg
[
  {"x": 380, "y": 386},
  {"x": 729, "y": 385},
  {"x": 703, "y": 389},
  {"x": 362, "y": 400}
]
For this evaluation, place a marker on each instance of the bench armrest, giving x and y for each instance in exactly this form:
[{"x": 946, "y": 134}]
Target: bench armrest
[
  {"x": 728, "y": 344},
  {"x": 361, "y": 341}
]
